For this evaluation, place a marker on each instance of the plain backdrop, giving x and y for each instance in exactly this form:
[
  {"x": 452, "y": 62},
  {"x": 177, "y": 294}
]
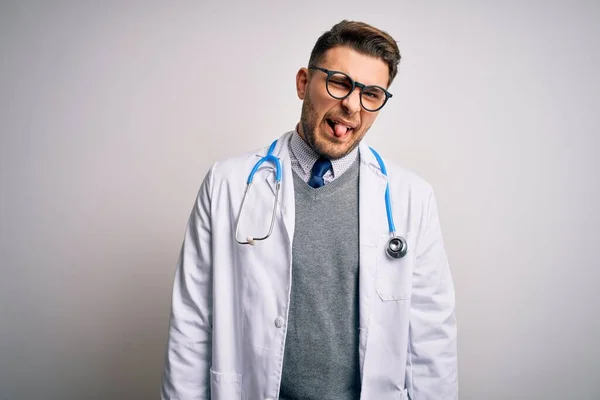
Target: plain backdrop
[{"x": 112, "y": 112}]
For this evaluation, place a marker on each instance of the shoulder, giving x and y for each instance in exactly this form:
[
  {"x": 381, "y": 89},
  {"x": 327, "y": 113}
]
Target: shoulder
[
  {"x": 243, "y": 163},
  {"x": 400, "y": 177},
  {"x": 233, "y": 166}
]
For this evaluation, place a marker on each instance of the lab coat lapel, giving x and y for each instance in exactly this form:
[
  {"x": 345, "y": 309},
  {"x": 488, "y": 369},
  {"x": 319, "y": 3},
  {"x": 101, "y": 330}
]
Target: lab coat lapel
[{"x": 373, "y": 224}]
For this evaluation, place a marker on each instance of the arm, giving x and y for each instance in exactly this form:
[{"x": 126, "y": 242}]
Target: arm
[
  {"x": 431, "y": 372},
  {"x": 188, "y": 358}
]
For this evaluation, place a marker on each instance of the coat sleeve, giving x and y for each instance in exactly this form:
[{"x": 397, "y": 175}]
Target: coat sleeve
[
  {"x": 431, "y": 372},
  {"x": 188, "y": 357}
]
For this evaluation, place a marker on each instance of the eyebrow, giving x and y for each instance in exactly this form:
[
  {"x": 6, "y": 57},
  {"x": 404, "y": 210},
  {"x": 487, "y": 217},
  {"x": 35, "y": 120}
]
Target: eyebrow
[{"x": 359, "y": 81}]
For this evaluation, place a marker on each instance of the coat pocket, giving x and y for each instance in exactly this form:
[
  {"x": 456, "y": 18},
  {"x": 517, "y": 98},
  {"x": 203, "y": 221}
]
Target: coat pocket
[
  {"x": 394, "y": 275},
  {"x": 225, "y": 386}
]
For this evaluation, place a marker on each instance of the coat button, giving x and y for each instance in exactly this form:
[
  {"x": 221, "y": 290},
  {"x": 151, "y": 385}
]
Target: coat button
[{"x": 279, "y": 322}]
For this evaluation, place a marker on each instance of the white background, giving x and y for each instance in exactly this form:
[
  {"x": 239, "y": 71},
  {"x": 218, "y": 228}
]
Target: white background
[{"x": 112, "y": 112}]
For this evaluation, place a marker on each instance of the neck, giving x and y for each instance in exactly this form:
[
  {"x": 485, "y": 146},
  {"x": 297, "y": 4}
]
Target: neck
[{"x": 301, "y": 131}]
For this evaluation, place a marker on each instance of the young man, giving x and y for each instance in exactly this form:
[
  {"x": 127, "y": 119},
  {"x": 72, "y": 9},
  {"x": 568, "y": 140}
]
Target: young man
[{"x": 336, "y": 302}]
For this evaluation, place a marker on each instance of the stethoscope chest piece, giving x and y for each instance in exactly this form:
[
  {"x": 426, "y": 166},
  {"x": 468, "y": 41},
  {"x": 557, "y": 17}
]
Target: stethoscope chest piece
[{"x": 397, "y": 247}]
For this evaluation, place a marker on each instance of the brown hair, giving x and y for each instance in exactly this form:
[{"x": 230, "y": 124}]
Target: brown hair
[{"x": 363, "y": 38}]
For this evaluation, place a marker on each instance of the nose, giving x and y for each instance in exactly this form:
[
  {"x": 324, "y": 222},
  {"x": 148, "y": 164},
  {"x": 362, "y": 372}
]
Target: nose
[{"x": 352, "y": 102}]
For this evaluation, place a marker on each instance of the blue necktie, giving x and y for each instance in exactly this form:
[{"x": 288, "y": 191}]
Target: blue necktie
[{"x": 322, "y": 165}]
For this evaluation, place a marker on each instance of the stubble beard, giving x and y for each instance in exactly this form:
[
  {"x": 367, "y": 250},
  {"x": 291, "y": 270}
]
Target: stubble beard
[{"x": 324, "y": 147}]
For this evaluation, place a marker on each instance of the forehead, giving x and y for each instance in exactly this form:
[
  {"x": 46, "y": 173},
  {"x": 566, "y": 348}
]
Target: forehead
[{"x": 363, "y": 68}]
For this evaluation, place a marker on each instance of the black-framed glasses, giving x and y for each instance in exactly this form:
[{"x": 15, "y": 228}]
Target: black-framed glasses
[{"x": 339, "y": 86}]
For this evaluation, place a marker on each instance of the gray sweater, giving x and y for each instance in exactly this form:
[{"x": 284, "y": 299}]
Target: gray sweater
[{"x": 321, "y": 348}]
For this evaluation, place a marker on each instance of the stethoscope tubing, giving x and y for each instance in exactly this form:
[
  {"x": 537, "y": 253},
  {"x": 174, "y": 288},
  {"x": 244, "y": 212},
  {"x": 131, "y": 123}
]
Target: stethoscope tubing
[
  {"x": 268, "y": 157},
  {"x": 397, "y": 246},
  {"x": 388, "y": 200}
]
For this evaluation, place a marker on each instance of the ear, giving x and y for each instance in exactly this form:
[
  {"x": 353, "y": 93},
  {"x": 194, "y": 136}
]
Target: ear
[{"x": 301, "y": 82}]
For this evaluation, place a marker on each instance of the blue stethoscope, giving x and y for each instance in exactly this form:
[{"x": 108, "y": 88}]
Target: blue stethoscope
[{"x": 397, "y": 246}]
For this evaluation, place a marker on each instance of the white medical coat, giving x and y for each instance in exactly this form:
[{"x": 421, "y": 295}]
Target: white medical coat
[{"x": 230, "y": 301}]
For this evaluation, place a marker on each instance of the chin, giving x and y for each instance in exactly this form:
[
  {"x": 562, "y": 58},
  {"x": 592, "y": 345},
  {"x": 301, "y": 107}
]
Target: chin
[{"x": 331, "y": 148}]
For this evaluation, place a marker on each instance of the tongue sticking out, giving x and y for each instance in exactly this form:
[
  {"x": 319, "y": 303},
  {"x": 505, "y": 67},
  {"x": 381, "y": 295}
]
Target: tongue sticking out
[{"x": 340, "y": 130}]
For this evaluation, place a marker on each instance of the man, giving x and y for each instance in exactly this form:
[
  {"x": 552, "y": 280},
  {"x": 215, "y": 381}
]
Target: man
[{"x": 324, "y": 307}]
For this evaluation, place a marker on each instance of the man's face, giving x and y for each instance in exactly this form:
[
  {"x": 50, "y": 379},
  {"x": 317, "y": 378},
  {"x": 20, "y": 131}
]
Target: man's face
[{"x": 324, "y": 119}]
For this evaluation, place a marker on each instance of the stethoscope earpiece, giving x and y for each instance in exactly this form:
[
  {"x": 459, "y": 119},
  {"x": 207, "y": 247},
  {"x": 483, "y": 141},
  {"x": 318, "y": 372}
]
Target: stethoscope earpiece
[{"x": 397, "y": 247}]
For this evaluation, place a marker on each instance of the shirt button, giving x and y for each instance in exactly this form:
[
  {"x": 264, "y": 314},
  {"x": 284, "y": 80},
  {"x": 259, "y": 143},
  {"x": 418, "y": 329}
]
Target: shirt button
[{"x": 279, "y": 322}]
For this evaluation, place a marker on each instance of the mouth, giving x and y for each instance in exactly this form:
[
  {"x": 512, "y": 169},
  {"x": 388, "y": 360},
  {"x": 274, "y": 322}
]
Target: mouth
[{"x": 340, "y": 128}]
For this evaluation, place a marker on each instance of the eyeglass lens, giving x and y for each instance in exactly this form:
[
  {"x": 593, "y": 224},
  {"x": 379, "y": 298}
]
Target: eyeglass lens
[{"x": 339, "y": 86}]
